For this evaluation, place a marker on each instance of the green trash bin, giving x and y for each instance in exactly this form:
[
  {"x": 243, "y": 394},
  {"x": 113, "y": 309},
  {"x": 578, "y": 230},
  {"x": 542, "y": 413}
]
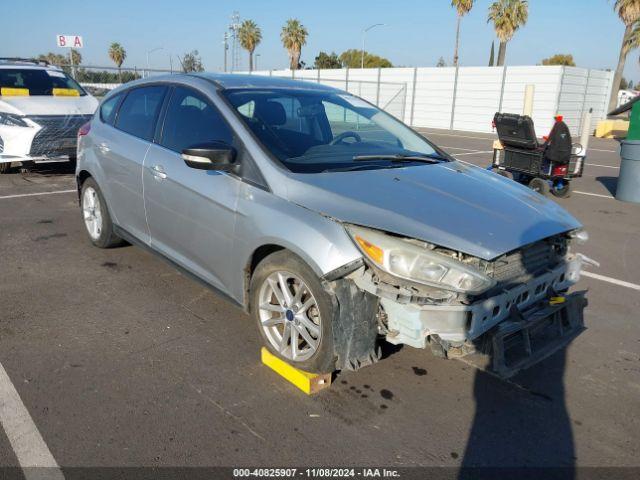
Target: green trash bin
[{"x": 629, "y": 179}]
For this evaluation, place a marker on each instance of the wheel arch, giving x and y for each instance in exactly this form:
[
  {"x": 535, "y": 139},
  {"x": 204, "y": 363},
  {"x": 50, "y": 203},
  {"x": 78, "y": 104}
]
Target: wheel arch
[
  {"x": 81, "y": 177},
  {"x": 263, "y": 251}
]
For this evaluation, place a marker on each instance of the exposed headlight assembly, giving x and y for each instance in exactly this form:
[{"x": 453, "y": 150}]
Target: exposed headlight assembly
[
  {"x": 580, "y": 236},
  {"x": 419, "y": 264},
  {"x": 12, "y": 120}
]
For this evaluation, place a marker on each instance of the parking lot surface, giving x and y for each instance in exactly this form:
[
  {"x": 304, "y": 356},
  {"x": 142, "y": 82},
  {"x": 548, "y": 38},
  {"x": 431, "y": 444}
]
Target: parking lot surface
[{"x": 120, "y": 360}]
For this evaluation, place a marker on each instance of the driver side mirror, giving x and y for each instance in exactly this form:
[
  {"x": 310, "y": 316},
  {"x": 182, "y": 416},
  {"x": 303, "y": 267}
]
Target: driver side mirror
[{"x": 210, "y": 156}]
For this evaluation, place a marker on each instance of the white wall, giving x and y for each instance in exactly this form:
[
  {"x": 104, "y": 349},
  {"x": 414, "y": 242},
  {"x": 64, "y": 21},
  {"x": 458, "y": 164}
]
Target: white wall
[
  {"x": 468, "y": 98},
  {"x": 478, "y": 92}
]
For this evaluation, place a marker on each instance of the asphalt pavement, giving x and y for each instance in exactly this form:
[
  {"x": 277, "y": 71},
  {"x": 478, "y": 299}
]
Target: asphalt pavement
[{"x": 120, "y": 360}]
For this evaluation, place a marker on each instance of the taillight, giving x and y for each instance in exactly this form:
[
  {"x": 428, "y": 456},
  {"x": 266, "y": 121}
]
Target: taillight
[
  {"x": 559, "y": 170},
  {"x": 84, "y": 129}
]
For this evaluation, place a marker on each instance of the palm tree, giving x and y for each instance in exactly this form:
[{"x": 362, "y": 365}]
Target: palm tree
[
  {"x": 463, "y": 7},
  {"x": 117, "y": 54},
  {"x": 250, "y": 36},
  {"x": 507, "y": 17},
  {"x": 629, "y": 13},
  {"x": 294, "y": 36}
]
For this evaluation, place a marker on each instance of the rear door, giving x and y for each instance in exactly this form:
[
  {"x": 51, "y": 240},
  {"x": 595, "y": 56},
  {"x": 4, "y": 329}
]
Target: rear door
[
  {"x": 122, "y": 151},
  {"x": 191, "y": 213}
]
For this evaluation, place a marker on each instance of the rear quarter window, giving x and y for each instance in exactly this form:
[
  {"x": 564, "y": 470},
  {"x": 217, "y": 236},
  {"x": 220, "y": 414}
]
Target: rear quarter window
[
  {"x": 108, "y": 109},
  {"x": 138, "y": 112}
]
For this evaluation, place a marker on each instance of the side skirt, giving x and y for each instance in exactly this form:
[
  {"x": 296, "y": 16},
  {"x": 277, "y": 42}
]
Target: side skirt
[{"x": 187, "y": 273}]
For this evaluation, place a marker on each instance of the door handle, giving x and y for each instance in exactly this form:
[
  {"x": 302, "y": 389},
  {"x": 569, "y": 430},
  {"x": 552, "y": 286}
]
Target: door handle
[{"x": 158, "y": 172}]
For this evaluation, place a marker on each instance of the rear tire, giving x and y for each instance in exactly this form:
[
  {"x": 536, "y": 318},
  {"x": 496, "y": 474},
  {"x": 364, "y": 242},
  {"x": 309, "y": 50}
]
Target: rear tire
[
  {"x": 564, "y": 192},
  {"x": 95, "y": 214},
  {"x": 289, "y": 304},
  {"x": 539, "y": 185}
]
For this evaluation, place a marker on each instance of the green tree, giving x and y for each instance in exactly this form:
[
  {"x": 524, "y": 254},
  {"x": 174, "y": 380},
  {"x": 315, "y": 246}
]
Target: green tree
[
  {"x": 325, "y": 60},
  {"x": 629, "y": 13},
  {"x": 191, "y": 62},
  {"x": 76, "y": 56},
  {"x": 441, "y": 63},
  {"x": 560, "y": 59},
  {"x": 117, "y": 54},
  {"x": 462, "y": 7},
  {"x": 294, "y": 37},
  {"x": 492, "y": 55},
  {"x": 250, "y": 36},
  {"x": 352, "y": 58},
  {"x": 626, "y": 84},
  {"x": 507, "y": 17},
  {"x": 54, "y": 59}
]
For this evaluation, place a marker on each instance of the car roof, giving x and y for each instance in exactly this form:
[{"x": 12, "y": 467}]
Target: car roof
[
  {"x": 26, "y": 64},
  {"x": 228, "y": 81},
  {"x": 245, "y": 81}
]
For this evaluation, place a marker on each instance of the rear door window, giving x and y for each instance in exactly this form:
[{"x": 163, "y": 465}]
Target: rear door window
[
  {"x": 139, "y": 111},
  {"x": 192, "y": 120},
  {"x": 108, "y": 109}
]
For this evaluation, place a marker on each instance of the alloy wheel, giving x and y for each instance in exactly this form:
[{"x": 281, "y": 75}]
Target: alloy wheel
[{"x": 289, "y": 316}]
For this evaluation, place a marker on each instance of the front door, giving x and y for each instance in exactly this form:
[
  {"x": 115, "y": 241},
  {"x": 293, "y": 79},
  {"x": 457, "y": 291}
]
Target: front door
[{"x": 190, "y": 212}]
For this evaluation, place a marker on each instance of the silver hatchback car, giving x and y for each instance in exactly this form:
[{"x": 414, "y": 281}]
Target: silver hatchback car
[{"x": 329, "y": 221}]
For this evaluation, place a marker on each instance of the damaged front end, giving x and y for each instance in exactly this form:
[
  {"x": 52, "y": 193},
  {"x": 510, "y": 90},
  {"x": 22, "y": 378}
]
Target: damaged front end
[{"x": 511, "y": 310}]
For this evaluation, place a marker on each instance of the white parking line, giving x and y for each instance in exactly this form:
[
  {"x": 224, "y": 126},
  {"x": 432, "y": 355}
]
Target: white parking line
[
  {"x": 36, "y": 194},
  {"x": 459, "y": 148},
  {"x": 473, "y": 153},
  {"x": 457, "y": 136},
  {"x": 603, "y": 166},
  {"x": 615, "y": 281},
  {"x": 593, "y": 194},
  {"x": 599, "y": 150},
  {"x": 25, "y": 439}
]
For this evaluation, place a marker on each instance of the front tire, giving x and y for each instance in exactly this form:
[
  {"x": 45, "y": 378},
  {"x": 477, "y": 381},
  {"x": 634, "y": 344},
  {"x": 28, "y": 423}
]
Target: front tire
[
  {"x": 95, "y": 214},
  {"x": 539, "y": 185},
  {"x": 293, "y": 312}
]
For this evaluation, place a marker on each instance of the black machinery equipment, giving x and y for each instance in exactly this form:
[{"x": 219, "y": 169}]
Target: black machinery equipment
[{"x": 544, "y": 167}]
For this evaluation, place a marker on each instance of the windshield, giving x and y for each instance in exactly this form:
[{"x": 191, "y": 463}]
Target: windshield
[
  {"x": 27, "y": 81},
  {"x": 315, "y": 131}
]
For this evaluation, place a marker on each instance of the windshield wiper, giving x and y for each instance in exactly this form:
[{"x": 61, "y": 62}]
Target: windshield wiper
[{"x": 402, "y": 158}]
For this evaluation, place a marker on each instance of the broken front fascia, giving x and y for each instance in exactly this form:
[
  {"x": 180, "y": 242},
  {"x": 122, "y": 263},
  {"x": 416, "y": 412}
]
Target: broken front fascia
[{"x": 412, "y": 312}]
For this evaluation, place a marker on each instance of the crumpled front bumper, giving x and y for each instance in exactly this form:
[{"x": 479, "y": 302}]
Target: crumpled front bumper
[{"x": 412, "y": 324}]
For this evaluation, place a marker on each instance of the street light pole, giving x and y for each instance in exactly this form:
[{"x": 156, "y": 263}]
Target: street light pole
[
  {"x": 255, "y": 67},
  {"x": 149, "y": 52},
  {"x": 364, "y": 33}
]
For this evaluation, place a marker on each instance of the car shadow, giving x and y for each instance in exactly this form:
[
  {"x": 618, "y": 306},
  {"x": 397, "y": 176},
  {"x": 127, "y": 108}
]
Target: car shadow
[
  {"x": 610, "y": 183},
  {"x": 44, "y": 169},
  {"x": 521, "y": 427}
]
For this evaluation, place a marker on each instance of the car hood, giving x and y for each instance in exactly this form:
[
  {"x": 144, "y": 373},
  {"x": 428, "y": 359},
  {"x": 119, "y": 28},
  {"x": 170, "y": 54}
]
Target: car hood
[
  {"x": 452, "y": 205},
  {"x": 49, "y": 105}
]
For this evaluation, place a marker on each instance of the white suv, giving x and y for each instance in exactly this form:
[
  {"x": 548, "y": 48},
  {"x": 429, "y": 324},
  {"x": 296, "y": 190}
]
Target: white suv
[{"x": 41, "y": 110}]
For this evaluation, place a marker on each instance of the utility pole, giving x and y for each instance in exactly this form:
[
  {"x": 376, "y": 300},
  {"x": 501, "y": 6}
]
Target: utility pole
[
  {"x": 225, "y": 42},
  {"x": 235, "y": 47}
]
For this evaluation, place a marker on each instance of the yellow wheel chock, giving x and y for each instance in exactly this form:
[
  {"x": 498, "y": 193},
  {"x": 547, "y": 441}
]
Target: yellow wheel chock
[{"x": 309, "y": 383}]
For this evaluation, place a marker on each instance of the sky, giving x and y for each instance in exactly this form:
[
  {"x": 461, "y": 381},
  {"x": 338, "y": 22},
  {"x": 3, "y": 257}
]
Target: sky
[{"x": 417, "y": 33}]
